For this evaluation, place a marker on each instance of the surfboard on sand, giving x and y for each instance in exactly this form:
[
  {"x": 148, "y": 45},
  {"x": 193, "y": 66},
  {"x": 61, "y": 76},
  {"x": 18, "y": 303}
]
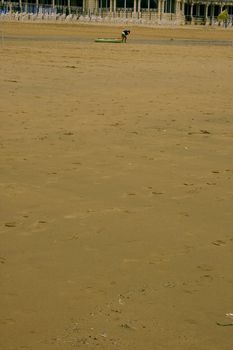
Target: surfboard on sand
[{"x": 108, "y": 40}]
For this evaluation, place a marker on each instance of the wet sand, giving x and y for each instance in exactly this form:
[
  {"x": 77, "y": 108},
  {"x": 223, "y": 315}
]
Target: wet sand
[{"x": 116, "y": 189}]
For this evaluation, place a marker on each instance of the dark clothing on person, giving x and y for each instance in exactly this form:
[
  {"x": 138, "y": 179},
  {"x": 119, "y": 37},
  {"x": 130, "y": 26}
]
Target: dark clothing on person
[
  {"x": 124, "y": 35},
  {"x": 126, "y": 32}
]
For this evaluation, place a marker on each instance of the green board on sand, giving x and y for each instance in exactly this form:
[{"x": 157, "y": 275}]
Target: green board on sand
[{"x": 108, "y": 40}]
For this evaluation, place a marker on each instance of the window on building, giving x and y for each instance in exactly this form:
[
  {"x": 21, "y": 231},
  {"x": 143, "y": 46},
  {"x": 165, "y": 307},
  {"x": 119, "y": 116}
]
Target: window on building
[{"x": 169, "y": 6}]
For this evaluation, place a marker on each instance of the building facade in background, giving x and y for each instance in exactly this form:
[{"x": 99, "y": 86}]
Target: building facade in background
[{"x": 158, "y": 11}]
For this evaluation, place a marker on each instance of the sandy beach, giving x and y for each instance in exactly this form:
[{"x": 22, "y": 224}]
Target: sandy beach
[{"x": 116, "y": 188}]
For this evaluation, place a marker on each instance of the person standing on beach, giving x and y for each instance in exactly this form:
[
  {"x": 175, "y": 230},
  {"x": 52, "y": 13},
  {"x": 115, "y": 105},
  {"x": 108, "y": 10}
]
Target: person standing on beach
[{"x": 124, "y": 35}]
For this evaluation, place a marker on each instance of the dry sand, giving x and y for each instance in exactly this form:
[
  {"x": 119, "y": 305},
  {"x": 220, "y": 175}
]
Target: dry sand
[{"x": 116, "y": 189}]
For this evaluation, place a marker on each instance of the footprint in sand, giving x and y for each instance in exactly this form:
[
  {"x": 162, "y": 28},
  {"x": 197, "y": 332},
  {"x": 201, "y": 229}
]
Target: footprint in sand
[
  {"x": 8, "y": 321},
  {"x": 68, "y": 133},
  {"x": 10, "y": 224},
  {"x": 206, "y": 278},
  {"x": 205, "y": 132},
  {"x": 218, "y": 242},
  {"x": 156, "y": 193},
  {"x": 38, "y": 226},
  {"x": 205, "y": 267},
  {"x": 2, "y": 260}
]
